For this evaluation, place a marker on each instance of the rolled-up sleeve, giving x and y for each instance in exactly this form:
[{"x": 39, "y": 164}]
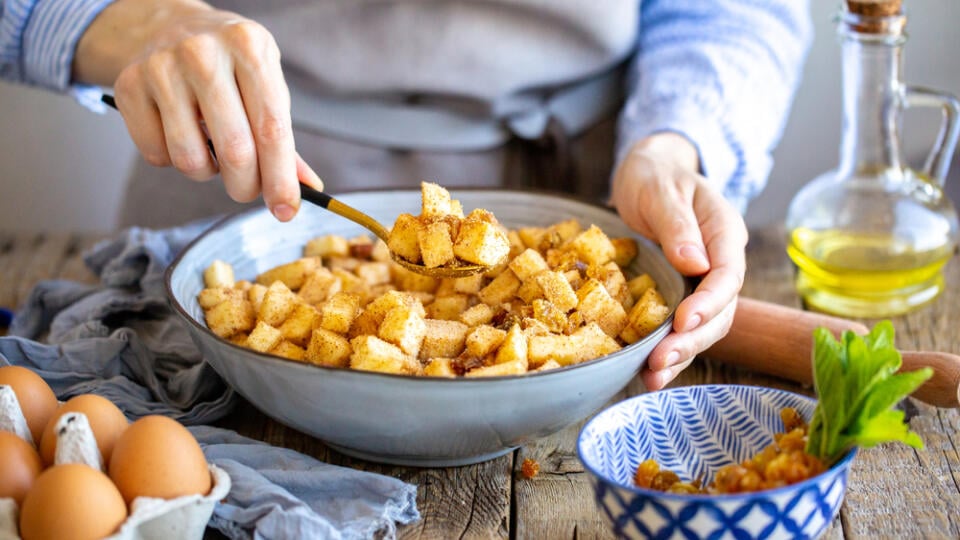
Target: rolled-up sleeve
[
  {"x": 38, "y": 39},
  {"x": 722, "y": 73}
]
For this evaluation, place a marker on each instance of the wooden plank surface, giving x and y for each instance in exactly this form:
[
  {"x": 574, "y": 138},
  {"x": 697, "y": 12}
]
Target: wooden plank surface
[
  {"x": 894, "y": 491},
  {"x": 26, "y": 259}
]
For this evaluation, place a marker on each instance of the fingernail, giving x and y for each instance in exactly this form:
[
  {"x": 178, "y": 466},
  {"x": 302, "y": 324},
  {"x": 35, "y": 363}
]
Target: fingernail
[
  {"x": 672, "y": 359},
  {"x": 693, "y": 321},
  {"x": 664, "y": 377},
  {"x": 284, "y": 212},
  {"x": 693, "y": 253},
  {"x": 315, "y": 181}
]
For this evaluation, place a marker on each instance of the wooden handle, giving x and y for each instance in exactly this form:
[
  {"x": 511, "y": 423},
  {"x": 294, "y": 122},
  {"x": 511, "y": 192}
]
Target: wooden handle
[{"x": 778, "y": 340}]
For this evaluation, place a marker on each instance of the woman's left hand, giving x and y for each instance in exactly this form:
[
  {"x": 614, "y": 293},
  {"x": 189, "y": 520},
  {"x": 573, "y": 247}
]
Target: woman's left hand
[{"x": 658, "y": 192}]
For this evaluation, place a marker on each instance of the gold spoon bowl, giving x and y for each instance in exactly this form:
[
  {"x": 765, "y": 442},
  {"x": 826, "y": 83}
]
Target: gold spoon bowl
[{"x": 320, "y": 198}]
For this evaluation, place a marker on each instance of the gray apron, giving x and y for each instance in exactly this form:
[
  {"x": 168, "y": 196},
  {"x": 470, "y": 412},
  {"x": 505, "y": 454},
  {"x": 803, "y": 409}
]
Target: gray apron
[{"x": 468, "y": 111}]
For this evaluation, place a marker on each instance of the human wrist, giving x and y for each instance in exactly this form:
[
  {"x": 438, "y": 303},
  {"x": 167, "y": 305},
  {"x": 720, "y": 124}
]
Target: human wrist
[
  {"x": 123, "y": 32},
  {"x": 669, "y": 145}
]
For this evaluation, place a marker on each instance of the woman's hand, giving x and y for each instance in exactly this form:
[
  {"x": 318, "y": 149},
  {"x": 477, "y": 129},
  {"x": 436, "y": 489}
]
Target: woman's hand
[
  {"x": 658, "y": 192},
  {"x": 183, "y": 72}
]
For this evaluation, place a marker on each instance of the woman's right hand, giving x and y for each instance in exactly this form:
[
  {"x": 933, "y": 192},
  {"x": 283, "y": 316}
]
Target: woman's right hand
[{"x": 183, "y": 72}]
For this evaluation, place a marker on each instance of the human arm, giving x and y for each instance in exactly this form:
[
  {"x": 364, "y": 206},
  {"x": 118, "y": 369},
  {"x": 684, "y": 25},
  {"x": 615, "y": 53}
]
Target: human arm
[
  {"x": 181, "y": 72},
  {"x": 711, "y": 87},
  {"x": 38, "y": 39}
]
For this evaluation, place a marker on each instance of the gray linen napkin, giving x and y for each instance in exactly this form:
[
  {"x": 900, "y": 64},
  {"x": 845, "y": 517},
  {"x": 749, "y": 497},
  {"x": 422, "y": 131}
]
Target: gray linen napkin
[{"x": 120, "y": 339}]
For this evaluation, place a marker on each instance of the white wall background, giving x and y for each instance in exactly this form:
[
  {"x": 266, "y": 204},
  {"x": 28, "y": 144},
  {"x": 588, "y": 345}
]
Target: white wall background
[{"x": 63, "y": 168}]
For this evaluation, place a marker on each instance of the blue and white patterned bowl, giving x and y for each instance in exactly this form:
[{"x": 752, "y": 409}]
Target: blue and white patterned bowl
[{"x": 693, "y": 431}]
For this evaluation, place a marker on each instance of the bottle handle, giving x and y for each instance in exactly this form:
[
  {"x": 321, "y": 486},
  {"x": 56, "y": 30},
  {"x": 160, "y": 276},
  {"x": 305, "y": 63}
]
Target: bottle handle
[{"x": 938, "y": 160}]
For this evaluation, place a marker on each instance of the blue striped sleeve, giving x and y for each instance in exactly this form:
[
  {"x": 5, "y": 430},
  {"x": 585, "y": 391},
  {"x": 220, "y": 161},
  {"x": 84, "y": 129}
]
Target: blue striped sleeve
[
  {"x": 723, "y": 73},
  {"x": 38, "y": 39}
]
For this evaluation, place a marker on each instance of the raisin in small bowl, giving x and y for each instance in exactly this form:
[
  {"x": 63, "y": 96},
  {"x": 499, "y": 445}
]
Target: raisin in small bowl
[{"x": 695, "y": 432}]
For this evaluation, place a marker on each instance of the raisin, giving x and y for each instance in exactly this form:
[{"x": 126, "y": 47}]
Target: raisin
[{"x": 529, "y": 468}]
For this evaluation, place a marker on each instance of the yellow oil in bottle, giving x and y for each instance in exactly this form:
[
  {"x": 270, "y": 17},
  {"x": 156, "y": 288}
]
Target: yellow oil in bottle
[{"x": 865, "y": 275}]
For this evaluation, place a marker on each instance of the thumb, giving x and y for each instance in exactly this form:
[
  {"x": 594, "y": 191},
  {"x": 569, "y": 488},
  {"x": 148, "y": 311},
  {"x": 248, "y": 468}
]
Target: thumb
[
  {"x": 677, "y": 230},
  {"x": 306, "y": 175}
]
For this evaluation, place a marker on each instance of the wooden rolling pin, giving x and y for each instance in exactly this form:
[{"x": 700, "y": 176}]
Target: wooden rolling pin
[{"x": 778, "y": 340}]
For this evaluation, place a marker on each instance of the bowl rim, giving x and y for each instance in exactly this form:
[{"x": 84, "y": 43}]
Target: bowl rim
[
  {"x": 225, "y": 220},
  {"x": 839, "y": 466}
]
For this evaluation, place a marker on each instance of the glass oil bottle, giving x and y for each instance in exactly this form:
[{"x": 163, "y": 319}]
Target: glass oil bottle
[{"x": 871, "y": 238}]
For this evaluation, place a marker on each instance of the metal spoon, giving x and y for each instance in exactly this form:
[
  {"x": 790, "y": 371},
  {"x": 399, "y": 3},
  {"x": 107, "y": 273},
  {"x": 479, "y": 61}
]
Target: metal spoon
[{"x": 322, "y": 199}]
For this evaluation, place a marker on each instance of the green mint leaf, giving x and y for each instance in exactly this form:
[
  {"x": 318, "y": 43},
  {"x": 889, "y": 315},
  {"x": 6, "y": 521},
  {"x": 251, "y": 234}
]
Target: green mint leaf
[
  {"x": 871, "y": 358},
  {"x": 888, "y": 393},
  {"x": 885, "y": 427},
  {"x": 857, "y": 384}
]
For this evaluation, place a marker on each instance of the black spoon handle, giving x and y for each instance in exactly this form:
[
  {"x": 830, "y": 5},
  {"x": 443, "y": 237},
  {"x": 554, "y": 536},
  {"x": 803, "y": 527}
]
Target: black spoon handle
[
  {"x": 318, "y": 198},
  {"x": 112, "y": 103}
]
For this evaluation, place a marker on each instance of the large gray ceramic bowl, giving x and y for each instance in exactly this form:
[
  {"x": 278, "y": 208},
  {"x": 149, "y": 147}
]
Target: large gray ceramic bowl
[{"x": 402, "y": 419}]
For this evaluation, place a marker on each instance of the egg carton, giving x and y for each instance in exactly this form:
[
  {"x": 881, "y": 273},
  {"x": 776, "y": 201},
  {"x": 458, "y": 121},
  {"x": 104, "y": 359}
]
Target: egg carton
[
  {"x": 150, "y": 518},
  {"x": 183, "y": 517}
]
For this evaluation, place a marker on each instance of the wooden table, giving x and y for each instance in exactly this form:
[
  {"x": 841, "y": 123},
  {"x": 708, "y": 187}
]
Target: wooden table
[{"x": 894, "y": 491}]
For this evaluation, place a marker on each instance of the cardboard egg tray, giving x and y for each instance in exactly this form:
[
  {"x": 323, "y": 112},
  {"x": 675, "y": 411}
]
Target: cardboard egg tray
[{"x": 150, "y": 518}]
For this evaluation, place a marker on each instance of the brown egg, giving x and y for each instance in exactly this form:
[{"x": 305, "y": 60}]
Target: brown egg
[
  {"x": 106, "y": 420},
  {"x": 71, "y": 502},
  {"x": 157, "y": 457},
  {"x": 19, "y": 466},
  {"x": 37, "y": 400}
]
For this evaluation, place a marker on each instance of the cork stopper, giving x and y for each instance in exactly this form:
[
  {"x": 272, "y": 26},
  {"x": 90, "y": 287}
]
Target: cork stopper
[
  {"x": 876, "y": 16},
  {"x": 876, "y": 8}
]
